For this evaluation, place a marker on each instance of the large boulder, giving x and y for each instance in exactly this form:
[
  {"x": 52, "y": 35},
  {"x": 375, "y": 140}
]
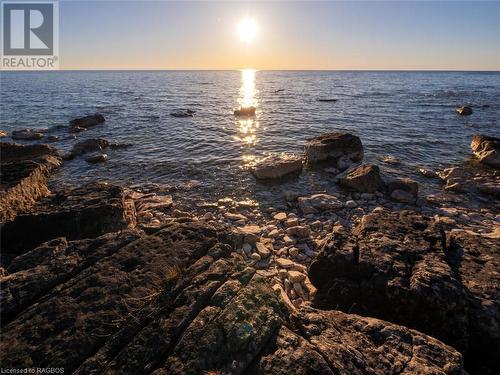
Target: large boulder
[
  {"x": 87, "y": 121},
  {"x": 336, "y": 147},
  {"x": 399, "y": 267},
  {"x": 24, "y": 174},
  {"x": 276, "y": 166},
  {"x": 487, "y": 150},
  {"x": 84, "y": 212},
  {"x": 365, "y": 178},
  {"x": 181, "y": 301}
]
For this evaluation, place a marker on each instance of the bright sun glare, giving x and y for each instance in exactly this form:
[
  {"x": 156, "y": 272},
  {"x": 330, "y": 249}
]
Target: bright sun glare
[{"x": 247, "y": 29}]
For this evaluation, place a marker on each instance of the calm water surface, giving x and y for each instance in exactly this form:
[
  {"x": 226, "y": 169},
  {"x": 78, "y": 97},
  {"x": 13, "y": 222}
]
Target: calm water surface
[{"x": 409, "y": 115}]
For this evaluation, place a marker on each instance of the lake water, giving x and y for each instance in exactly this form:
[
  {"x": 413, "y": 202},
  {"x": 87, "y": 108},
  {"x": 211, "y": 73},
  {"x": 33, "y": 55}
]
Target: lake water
[{"x": 408, "y": 115}]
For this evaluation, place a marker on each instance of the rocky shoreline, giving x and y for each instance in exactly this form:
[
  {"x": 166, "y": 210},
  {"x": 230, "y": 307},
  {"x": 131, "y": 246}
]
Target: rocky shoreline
[{"x": 373, "y": 279}]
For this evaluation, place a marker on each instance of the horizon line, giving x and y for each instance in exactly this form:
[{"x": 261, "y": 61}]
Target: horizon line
[{"x": 261, "y": 70}]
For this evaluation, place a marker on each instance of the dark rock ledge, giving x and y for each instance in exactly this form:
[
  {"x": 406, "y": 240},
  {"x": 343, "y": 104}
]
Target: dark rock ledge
[
  {"x": 181, "y": 301},
  {"x": 24, "y": 174},
  {"x": 84, "y": 212},
  {"x": 402, "y": 267}
]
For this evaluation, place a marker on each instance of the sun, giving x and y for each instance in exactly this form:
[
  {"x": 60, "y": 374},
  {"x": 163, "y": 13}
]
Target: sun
[{"x": 247, "y": 30}]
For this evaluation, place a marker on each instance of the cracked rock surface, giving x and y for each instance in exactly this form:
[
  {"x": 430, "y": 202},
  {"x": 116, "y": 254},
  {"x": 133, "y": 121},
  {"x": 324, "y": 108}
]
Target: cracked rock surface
[
  {"x": 179, "y": 300},
  {"x": 402, "y": 267}
]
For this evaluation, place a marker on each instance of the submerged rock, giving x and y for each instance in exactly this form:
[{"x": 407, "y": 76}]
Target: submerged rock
[
  {"x": 96, "y": 158},
  {"x": 389, "y": 159},
  {"x": 84, "y": 212},
  {"x": 182, "y": 113},
  {"x": 245, "y": 111},
  {"x": 53, "y": 138},
  {"x": 327, "y": 100},
  {"x": 365, "y": 179},
  {"x": 87, "y": 121},
  {"x": 398, "y": 266},
  {"x": 27, "y": 135},
  {"x": 89, "y": 145},
  {"x": 276, "y": 166},
  {"x": 464, "y": 111},
  {"x": 486, "y": 149},
  {"x": 332, "y": 147},
  {"x": 181, "y": 301},
  {"x": 24, "y": 174}
]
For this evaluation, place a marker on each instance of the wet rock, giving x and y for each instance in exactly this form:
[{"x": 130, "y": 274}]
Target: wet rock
[
  {"x": 457, "y": 187},
  {"x": 489, "y": 188},
  {"x": 327, "y": 100},
  {"x": 119, "y": 146},
  {"x": 427, "y": 173},
  {"x": 332, "y": 147},
  {"x": 3, "y": 134},
  {"x": 87, "y": 121},
  {"x": 89, "y": 145},
  {"x": 487, "y": 150},
  {"x": 245, "y": 112},
  {"x": 53, "y": 138},
  {"x": 75, "y": 129},
  {"x": 403, "y": 190},
  {"x": 84, "y": 212},
  {"x": 96, "y": 158},
  {"x": 398, "y": 266},
  {"x": 27, "y": 135},
  {"x": 153, "y": 201},
  {"x": 182, "y": 113},
  {"x": 291, "y": 196},
  {"x": 464, "y": 111},
  {"x": 276, "y": 166},
  {"x": 24, "y": 174},
  {"x": 391, "y": 160},
  {"x": 365, "y": 178},
  {"x": 333, "y": 171},
  {"x": 319, "y": 202},
  {"x": 449, "y": 173}
]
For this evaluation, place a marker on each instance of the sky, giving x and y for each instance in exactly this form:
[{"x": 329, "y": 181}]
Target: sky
[{"x": 343, "y": 35}]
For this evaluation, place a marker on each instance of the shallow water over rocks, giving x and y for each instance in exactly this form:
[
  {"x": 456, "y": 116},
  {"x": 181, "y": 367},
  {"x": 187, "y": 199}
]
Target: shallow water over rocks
[{"x": 406, "y": 115}]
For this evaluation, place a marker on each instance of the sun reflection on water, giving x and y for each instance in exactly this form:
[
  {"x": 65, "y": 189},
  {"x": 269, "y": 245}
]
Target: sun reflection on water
[
  {"x": 247, "y": 126},
  {"x": 247, "y": 89}
]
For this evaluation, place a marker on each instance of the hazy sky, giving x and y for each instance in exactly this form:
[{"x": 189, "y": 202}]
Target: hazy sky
[{"x": 455, "y": 35}]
